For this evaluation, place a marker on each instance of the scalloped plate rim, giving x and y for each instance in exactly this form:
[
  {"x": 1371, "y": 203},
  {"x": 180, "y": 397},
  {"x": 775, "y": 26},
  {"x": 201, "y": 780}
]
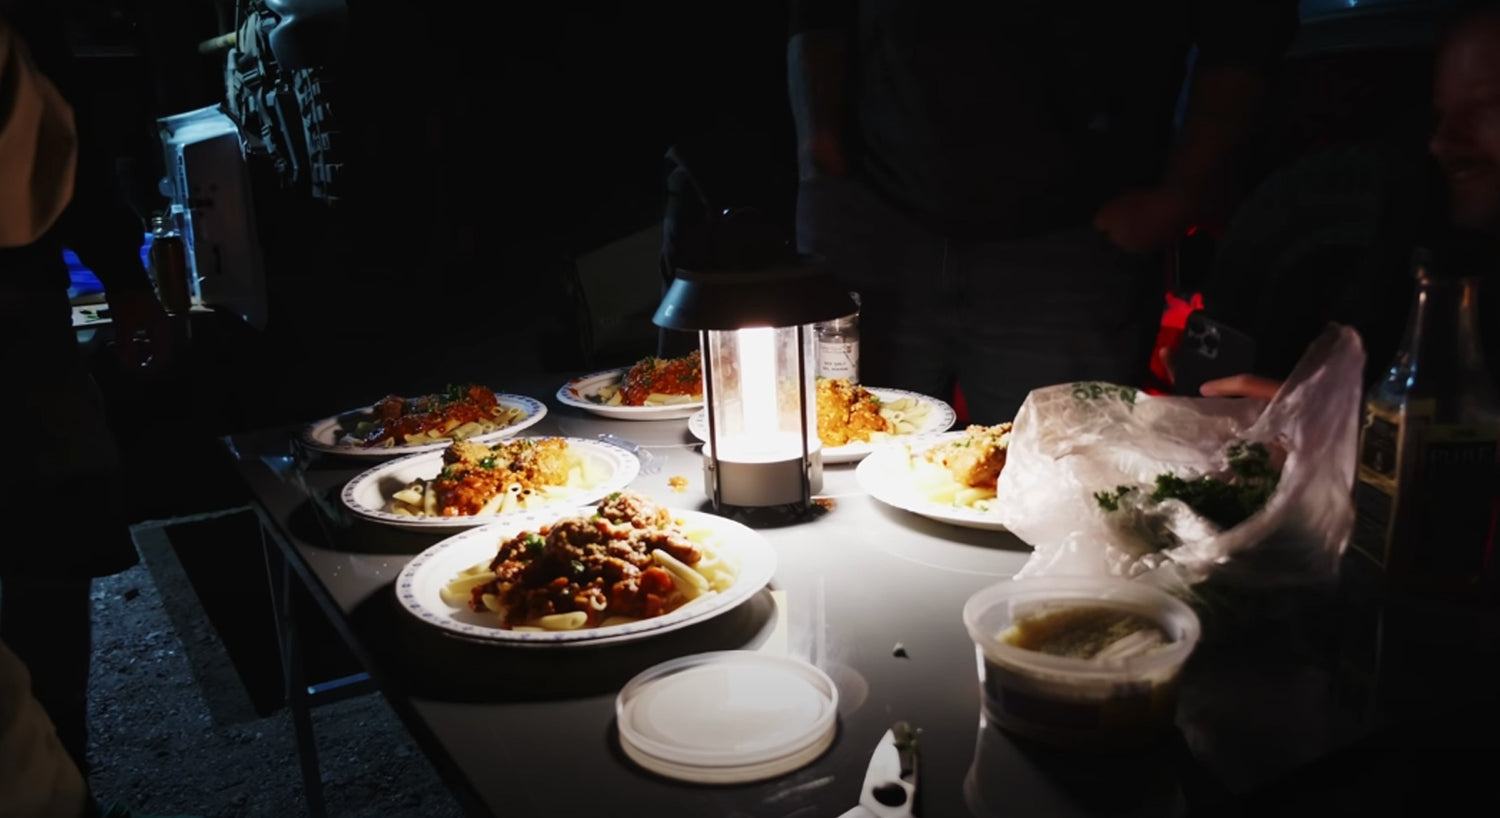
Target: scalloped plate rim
[
  {"x": 625, "y": 468},
  {"x": 569, "y": 395},
  {"x": 879, "y": 484},
  {"x": 855, "y": 452},
  {"x": 536, "y": 410}
]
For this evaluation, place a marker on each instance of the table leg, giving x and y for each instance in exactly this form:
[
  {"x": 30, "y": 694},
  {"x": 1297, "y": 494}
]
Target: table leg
[{"x": 279, "y": 573}]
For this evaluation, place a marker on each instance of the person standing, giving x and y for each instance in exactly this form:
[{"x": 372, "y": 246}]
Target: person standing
[
  {"x": 63, "y": 465},
  {"x": 1000, "y": 180},
  {"x": 1453, "y": 206}
]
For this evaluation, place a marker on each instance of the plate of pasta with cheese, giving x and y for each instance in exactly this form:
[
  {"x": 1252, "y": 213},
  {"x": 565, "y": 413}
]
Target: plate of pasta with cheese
[
  {"x": 620, "y": 569},
  {"x": 398, "y": 425},
  {"x": 650, "y": 389},
  {"x": 855, "y": 420},
  {"x": 948, "y": 477},
  {"x": 470, "y": 483}
]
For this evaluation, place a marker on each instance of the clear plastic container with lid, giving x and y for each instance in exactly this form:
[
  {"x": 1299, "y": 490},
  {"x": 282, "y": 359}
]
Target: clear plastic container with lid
[
  {"x": 727, "y": 716},
  {"x": 1084, "y": 662}
]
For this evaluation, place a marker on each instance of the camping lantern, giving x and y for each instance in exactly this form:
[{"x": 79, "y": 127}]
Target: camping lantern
[{"x": 755, "y": 329}]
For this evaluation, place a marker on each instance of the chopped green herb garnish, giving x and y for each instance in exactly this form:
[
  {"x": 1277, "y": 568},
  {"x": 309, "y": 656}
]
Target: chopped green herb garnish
[
  {"x": 1110, "y": 500},
  {"x": 534, "y": 544},
  {"x": 1225, "y": 501}
]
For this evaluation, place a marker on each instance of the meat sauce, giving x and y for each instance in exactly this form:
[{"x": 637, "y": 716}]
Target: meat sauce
[
  {"x": 662, "y": 376},
  {"x": 474, "y": 474},
  {"x": 396, "y": 416},
  {"x": 847, "y": 412},
  {"x": 600, "y": 565}
]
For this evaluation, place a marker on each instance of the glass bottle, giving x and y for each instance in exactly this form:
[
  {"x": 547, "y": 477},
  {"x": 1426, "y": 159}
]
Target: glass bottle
[
  {"x": 1425, "y": 492},
  {"x": 169, "y": 267},
  {"x": 838, "y": 346}
]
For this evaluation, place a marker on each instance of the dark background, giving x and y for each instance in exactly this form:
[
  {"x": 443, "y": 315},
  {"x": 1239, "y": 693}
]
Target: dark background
[
  {"x": 493, "y": 144},
  {"x": 490, "y": 145}
]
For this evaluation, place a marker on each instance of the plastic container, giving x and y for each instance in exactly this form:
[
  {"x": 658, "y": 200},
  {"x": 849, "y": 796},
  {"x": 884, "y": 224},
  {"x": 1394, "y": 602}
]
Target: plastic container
[
  {"x": 727, "y": 717},
  {"x": 1103, "y": 703}
]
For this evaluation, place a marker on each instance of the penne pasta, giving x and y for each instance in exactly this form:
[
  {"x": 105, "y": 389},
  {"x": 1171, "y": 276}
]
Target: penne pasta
[
  {"x": 962, "y": 472},
  {"x": 411, "y": 495},
  {"x": 688, "y": 581},
  {"x": 849, "y": 413},
  {"x": 570, "y": 621},
  {"x": 665, "y": 570},
  {"x": 456, "y": 593},
  {"x": 498, "y": 479},
  {"x": 457, "y": 413},
  {"x": 655, "y": 382}
]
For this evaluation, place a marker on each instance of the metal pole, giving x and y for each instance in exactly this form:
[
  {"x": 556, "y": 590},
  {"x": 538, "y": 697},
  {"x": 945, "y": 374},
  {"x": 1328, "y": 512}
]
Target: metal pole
[
  {"x": 717, "y": 494},
  {"x": 802, "y": 417}
]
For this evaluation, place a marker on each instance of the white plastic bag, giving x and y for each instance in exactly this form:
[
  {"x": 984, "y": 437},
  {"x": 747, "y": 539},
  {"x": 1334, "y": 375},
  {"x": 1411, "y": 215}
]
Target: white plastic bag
[{"x": 1075, "y": 440}]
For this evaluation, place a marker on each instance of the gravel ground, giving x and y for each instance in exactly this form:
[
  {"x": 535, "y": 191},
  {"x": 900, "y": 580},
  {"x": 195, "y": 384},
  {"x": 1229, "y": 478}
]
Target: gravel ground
[{"x": 162, "y": 746}]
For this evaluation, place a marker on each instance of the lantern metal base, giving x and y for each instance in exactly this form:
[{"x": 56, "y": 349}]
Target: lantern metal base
[{"x": 758, "y": 485}]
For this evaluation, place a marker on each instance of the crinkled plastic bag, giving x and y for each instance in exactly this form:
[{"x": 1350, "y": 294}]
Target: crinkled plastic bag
[{"x": 1073, "y": 440}]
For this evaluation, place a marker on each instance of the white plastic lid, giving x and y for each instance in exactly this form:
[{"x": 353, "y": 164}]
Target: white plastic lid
[{"x": 727, "y": 717}]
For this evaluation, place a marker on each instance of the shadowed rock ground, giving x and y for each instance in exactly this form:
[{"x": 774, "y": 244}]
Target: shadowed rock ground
[{"x": 174, "y": 731}]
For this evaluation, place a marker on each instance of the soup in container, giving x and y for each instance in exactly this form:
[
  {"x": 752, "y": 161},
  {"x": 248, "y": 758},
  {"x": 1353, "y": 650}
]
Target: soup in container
[{"x": 1089, "y": 663}]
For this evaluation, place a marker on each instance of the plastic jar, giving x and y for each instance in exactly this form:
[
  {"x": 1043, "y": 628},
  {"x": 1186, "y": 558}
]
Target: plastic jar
[{"x": 1111, "y": 703}]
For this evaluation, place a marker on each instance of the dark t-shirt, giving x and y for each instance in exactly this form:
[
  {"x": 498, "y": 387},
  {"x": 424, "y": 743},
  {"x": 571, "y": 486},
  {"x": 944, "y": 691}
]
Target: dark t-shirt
[
  {"x": 1330, "y": 238},
  {"x": 1015, "y": 117}
]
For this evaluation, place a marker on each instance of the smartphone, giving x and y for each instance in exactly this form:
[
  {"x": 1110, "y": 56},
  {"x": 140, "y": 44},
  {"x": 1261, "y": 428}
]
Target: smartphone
[{"x": 1207, "y": 350}]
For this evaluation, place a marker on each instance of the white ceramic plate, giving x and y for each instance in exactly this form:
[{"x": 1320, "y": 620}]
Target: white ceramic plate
[
  {"x": 420, "y": 583},
  {"x": 324, "y": 435},
  {"x": 887, "y": 476},
  {"x": 369, "y": 494},
  {"x": 940, "y": 418},
  {"x": 576, "y": 393}
]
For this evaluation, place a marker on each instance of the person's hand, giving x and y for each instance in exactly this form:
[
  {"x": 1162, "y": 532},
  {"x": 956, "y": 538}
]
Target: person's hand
[
  {"x": 143, "y": 330},
  {"x": 1147, "y": 220},
  {"x": 1240, "y": 386},
  {"x": 1235, "y": 386}
]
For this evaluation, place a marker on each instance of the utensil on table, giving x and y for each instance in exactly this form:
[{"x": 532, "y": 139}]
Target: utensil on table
[{"x": 890, "y": 788}]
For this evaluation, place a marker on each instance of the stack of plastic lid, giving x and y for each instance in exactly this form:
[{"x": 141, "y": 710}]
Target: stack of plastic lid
[{"x": 727, "y": 717}]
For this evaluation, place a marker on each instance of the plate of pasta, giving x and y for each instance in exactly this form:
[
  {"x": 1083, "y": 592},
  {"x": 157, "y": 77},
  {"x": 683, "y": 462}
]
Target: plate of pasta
[
  {"x": 397, "y": 425},
  {"x": 855, "y": 420},
  {"x": 621, "y": 569},
  {"x": 650, "y": 389},
  {"x": 470, "y": 483},
  {"x": 949, "y": 477}
]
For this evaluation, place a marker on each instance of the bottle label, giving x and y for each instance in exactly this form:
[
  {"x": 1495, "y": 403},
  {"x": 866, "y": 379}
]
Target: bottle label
[
  {"x": 1424, "y": 499},
  {"x": 839, "y": 359}
]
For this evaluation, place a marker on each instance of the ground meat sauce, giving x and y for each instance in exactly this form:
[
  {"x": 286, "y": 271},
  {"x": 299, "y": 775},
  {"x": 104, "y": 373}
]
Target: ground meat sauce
[
  {"x": 474, "y": 474},
  {"x": 847, "y": 413},
  {"x": 662, "y": 376},
  {"x": 396, "y": 416},
  {"x": 600, "y": 565}
]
